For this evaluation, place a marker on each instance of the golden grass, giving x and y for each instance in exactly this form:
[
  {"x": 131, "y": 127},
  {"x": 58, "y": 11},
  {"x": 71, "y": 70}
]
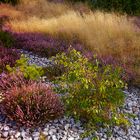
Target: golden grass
[
  {"x": 9, "y": 11},
  {"x": 42, "y": 8},
  {"x": 96, "y": 30},
  {"x": 103, "y": 33}
]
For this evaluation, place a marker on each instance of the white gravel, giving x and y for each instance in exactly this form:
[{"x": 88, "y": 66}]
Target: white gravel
[{"x": 67, "y": 128}]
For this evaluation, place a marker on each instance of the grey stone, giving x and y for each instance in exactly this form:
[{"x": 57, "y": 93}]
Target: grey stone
[
  {"x": 5, "y": 134},
  {"x": 23, "y": 134},
  {"x": 6, "y": 128},
  {"x": 54, "y": 137},
  {"x": 36, "y": 138},
  {"x": 137, "y": 122},
  {"x": 45, "y": 133},
  {"x": 71, "y": 138},
  {"x": 12, "y": 132},
  {"x": 138, "y": 127},
  {"x": 35, "y": 134},
  {"x": 132, "y": 138},
  {"x": 17, "y": 135},
  {"x": 86, "y": 139},
  {"x": 67, "y": 126}
]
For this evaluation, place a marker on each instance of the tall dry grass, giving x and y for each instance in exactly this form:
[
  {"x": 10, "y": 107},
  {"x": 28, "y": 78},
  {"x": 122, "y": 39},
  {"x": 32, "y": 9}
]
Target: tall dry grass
[
  {"x": 35, "y": 8},
  {"x": 10, "y": 11},
  {"x": 97, "y": 30},
  {"x": 42, "y": 8},
  {"x": 103, "y": 33}
]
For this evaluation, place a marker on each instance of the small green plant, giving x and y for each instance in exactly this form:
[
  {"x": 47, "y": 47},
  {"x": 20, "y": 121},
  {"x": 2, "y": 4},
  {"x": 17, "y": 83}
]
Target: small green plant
[
  {"x": 123, "y": 6},
  {"x": 6, "y": 39},
  {"x": 32, "y": 72},
  {"x": 94, "y": 92},
  {"x": 10, "y": 1}
]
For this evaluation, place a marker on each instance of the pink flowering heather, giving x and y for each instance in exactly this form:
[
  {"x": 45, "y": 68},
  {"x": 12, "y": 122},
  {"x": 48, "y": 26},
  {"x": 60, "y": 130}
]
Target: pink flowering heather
[
  {"x": 43, "y": 45},
  {"x": 31, "y": 104},
  {"x": 9, "y": 80},
  {"x": 8, "y": 57},
  {"x": 127, "y": 74}
]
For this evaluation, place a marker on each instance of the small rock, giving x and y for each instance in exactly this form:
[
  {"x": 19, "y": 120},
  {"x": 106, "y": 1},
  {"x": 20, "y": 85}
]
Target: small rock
[
  {"x": 35, "y": 134},
  {"x": 86, "y": 139},
  {"x": 17, "y": 135},
  {"x": 138, "y": 127},
  {"x": 71, "y": 138},
  {"x": 54, "y": 137},
  {"x": 36, "y": 138},
  {"x": 23, "y": 134},
  {"x": 122, "y": 133},
  {"x": 45, "y": 133},
  {"x": 67, "y": 126},
  {"x": 137, "y": 122},
  {"x": 132, "y": 138},
  {"x": 5, "y": 134},
  {"x": 6, "y": 128}
]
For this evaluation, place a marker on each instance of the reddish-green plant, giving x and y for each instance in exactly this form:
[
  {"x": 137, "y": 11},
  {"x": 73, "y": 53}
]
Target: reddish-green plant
[
  {"x": 9, "y": 80},
  {"x": 7, "y": 57},
  {"x": 31, "y": 104}
]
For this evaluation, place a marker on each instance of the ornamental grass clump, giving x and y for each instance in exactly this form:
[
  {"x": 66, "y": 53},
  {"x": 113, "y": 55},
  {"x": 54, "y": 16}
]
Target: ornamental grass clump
[
  {"x": 94, "y": 91},
  {"x": 32, "y": 104}
]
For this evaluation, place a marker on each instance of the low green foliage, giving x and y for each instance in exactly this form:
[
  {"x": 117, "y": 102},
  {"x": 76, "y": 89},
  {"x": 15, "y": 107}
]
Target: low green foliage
[
  {"x": 6, "y": 39},
  {"x": 10, "y": 1},
  {"x": 32, "y": 72},
  {"x": 127, "y": 6},
  {"x": 94, "y": 92},
  {"x": 124, "y": 6}
]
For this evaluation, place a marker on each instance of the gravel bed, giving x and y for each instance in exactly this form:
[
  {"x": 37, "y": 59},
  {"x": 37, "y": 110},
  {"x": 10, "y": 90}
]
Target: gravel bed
[
  {"x": 35, "y": 59},
  {"x": 67, "y": 128}
]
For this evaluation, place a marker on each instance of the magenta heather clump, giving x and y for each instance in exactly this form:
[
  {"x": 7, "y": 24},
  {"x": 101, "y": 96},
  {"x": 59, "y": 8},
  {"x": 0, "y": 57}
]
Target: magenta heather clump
[
  {"x": 39, "y": 43},
  {"x": 8, "y": 57},
  {"x": 31, "y": 104},
  {"x": 127, "y": 74},
  {"x": 44, "y": 45}
]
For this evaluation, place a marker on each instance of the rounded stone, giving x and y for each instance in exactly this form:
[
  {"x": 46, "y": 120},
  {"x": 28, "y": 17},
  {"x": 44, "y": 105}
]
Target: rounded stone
[
  {"x": 17, "y": 135},
  {"x": 132, "y": 138},
  {"x": 6, "y": 128},
  {"x": 5, "y": 134},
  {"x": 35, "y": 134}
]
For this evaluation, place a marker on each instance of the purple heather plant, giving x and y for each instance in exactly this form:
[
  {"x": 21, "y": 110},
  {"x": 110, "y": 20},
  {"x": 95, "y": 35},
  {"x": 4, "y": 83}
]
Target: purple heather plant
[
  {"x": 9, "y": 80},
  {"x": 44, "y": 45},
  {"x": 31, "y": 104},
  {"x": 8, "y": 57}
]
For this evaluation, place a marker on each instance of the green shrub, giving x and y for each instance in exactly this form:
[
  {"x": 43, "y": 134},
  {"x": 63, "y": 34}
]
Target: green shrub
[
  {"x": 94, "y": 92},
  {"x": 6, "y": 39},
  {"x": 53, "y": 71},
  {"x": 126, "y": 6},
  {"x": 10, "y": 1},
  {"x": 32, "y": 72}
]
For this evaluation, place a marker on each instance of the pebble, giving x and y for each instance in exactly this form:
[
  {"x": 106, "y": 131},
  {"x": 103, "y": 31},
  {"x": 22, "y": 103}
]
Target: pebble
[
  {"x": 35, "y": 134},
  {"x": 5, "y": 134},
  {"x": 132, "y": 138},
  {"x": 17, "y": 135},
  {"x": 6, "y": 128}
]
